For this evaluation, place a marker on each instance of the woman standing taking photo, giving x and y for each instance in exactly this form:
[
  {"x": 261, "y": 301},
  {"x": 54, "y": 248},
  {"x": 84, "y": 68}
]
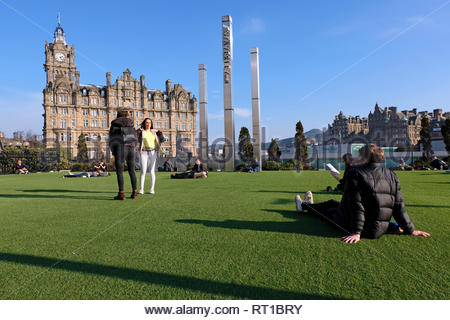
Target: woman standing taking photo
[{"x": 148, "y": 147}]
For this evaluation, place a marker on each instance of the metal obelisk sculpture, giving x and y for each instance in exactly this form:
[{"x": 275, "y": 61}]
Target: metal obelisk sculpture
[
  {"x": 203, "y": 101},
  {"x": 254, "y": 64},
  {"x": 227, "y": 46}
]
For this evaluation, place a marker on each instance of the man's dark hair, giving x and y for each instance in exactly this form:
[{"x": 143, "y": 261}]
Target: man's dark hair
[{"x": 122, "y": 114}]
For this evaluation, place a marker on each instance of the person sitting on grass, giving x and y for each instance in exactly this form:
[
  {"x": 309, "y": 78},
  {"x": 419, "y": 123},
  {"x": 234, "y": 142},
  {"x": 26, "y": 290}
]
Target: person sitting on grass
[
  {"x": 101, "y": 167},
  {"x": 253, "y": 167},
  {"x": 348, "y": 162},
  {"x": 199, "y": 171},
  {"x": 20, "y": 168},
  {"x": 371, "y": 198},
  {"x": 438, "y": 164}
]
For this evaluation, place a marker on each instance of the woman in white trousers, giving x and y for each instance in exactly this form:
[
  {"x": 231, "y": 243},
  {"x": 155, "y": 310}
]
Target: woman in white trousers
[{"x": 149, "y": 147}]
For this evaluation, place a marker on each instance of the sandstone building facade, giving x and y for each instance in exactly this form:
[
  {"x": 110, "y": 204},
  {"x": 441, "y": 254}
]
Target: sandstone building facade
[
  {"x": 386, "y": 127},
  {"x": 72, "y": 109}
]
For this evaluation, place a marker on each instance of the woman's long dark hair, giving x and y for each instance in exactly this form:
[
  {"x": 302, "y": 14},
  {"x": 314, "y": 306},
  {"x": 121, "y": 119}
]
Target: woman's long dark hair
[{"x": 143, "y": 123}]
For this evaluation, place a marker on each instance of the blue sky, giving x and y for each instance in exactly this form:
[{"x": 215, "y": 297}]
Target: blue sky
[{"x": 316, "y": 57}]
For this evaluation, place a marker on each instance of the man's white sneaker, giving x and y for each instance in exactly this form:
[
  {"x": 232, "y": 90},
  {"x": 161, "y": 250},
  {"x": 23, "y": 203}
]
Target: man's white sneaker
[
  {"x": 309, "y": 197},
  {"x": 152, "y": 192},
  {"x": 298, "y": 204},
  {"x": 141, "y": 191}
]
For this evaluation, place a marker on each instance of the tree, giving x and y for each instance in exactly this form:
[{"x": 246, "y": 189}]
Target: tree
[
  {"x": 245, "y": 145},
  {"x": 425, "y": 139},
  {"x": 100, "y": 154},
  {"x": 445, "y": 131},
  {"x": 301, "y": 150},
  {"x": 274, "y": 151},
  {"x": 82, "y": 155}
]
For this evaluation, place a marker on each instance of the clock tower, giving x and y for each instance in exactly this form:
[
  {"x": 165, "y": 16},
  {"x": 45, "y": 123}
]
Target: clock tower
[
  {"x": 60, "y": 59},
  {"x": 62, "y": 84}
]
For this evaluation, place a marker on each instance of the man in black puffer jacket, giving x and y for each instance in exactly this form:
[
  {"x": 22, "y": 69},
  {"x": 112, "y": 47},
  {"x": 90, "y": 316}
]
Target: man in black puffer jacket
[{"x": 371, "y": 198}]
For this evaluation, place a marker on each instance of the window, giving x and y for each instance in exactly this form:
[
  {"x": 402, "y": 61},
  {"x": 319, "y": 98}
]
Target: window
[
  {"x": 158, "y": 125},
  {"x": 190, "y": 126},
  {"x": 94, "y": 123},
  {"x": 183, "y": 116},
  {"x": 85, "y": 102},
  {"x": 104, "y": 137},
  {"x": 63, "y": 136},
  {"x": 166, "y": 115},
  {"x": 141, "y": 114},
  {"x": 104, "y": 124},
  {"x": 166, "y": 125},
  {"x": 190, "y": 116},
  {"x": 73, "y": 112},
  {"x": 53, "y": 110},
  {"x": 176, "y": 115},
  {"x": 94, "y": 112},
  {"x": 166, "y": 106},
  {"x": 158, "y": 115},
  {"x": 51, "y": 98},
  {"x": 94, "y": 100},
  {"x": 115, "y": 94},
  {"x": 84, "y": 92},
  {"x": 73, "y": 123},
  {"x": 183, "y": 126},
  {"x": 150, "y": 105},
  {"x": 104, "y": 113},
  {"x": 114, "y": 113},
  {"x": 139, "y": 104},
  {"x": 158, "y": 104},
  {"x": 176, "y": 126},
  {"x": 85, "y": 112},
  {"x": 137, "y": 124},
  {"x": 94, "y": 137},
  {"x": 103, "y": 103},
  {"x": 132, "y": 104},
  {"x": 53, "y": 123},
  {"x": 86, "y": 137},
  {"x": 123, "y": 103},
  {"x": 115, "y": 101},
  {"x": 182, "y": 106},
  {"x": 86, "y": 123}
]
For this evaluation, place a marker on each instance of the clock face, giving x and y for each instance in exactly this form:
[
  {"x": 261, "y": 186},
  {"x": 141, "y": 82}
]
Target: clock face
[{"x": 60, "y": 56}]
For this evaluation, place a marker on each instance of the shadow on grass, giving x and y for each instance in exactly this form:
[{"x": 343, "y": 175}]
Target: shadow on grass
[
  {"x": 61, "y": 191},
  {"x": 190, "y": 283},
  {"x": 56, "y": 196},
  {"x": 301, "y": 193},
  {"x": 306, "y": 225},
  {"x": 426, "y": 206},
  {"x": 436, "y": 182}
]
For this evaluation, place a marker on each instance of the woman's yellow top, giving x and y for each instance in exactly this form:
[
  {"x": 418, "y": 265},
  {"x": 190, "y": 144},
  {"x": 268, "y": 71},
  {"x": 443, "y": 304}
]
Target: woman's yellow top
[{"x": 149, "y": 140}]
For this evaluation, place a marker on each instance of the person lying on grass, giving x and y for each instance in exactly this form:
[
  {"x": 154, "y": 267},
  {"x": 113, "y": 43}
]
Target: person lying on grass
[
  {"x": 371, "y": 198},
  {"x": 199, "y": 171}
]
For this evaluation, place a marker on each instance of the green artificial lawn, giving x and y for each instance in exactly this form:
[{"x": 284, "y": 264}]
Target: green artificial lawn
[{"x": 231, "y": 236}]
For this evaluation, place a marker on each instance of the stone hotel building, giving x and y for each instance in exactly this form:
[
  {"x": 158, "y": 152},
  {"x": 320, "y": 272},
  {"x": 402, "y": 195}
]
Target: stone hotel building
[{"x": 72, "y": 109}]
